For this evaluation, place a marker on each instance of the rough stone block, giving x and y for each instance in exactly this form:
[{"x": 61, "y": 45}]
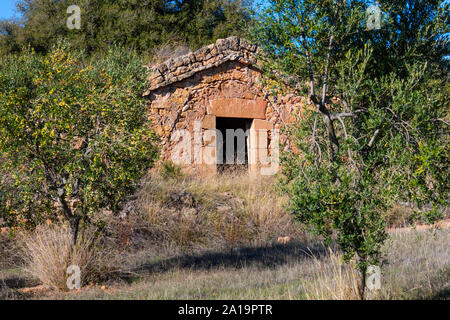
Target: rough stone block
[
  {"x": 209, "y": 155},
  {"x": 209, "y": 122},
  {"x": 162, "y": 68},
  {"x": 262, "y": 124},
  {"x": 238, "y": 108}
]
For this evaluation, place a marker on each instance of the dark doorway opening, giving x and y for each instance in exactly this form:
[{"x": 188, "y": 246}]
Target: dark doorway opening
[{"x": 238, "y": 156}]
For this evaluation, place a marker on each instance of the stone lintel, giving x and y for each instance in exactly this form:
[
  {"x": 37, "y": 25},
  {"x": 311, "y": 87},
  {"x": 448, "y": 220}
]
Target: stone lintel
[{"x": 238, "y": 108}]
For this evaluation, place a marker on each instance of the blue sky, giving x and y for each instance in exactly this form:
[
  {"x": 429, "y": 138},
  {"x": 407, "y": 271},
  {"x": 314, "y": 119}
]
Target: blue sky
[{"x": 7, "y": 9}]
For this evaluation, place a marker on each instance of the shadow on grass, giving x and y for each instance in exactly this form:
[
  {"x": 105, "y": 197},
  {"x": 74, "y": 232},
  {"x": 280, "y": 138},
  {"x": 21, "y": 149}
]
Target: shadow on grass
[
  {"x": 18, "y": 282},
  {"x": 441, "y": 286},
  {"x": 243, "y": 257},
  {"x": 257, "y": 257},
  {"x": 443, "y": 294},
  {"x": 10, "y": 287}
]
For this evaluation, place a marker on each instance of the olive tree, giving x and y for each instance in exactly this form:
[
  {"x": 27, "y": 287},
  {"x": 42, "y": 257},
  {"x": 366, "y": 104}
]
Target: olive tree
[{"x": 369, "y": 138}]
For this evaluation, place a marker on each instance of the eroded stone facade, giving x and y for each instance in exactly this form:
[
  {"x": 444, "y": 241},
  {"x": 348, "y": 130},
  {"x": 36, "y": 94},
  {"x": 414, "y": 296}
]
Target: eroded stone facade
[{"x": 220, "y": 80}]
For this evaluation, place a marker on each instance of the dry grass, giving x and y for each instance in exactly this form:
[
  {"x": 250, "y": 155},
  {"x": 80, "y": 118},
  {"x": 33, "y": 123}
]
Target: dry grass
[
  {"x": 417, "y": 265},
  {"x": 286, "y": 272},
  {"x": 215, "y": 238},
  {"x": 333, "y": 279},
  {"x": 222, "y": 212},
  {"x": 9, "y": 256},
  {"x": 48, "y": 252},
  {"x": 167, "y": 51},
  {"x": 399, "y": 216}
]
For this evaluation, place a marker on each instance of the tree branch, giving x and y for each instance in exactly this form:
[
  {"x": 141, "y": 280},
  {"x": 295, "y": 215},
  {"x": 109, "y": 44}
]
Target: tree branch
[
  {"x": 325, "y": 73},
  {"x": 336, "y": 116},
  {"x": 442, "y": 120},
  {"x": 372, "y": 140}
]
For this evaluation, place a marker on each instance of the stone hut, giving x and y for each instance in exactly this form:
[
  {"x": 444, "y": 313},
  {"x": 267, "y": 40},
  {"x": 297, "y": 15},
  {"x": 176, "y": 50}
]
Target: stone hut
[{"x": 196, "y": 97}]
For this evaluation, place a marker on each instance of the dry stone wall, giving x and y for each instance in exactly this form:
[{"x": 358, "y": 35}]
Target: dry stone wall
[
  {"x": 180, "y": 68},
  {"x": 218, "y": 80}
]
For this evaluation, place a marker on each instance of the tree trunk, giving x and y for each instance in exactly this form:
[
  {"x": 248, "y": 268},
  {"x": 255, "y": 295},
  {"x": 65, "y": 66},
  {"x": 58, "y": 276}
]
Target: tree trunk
[
  {"x": 74, "y": 227},
  {"x": 326, "y": 116},
  {"x": 362, "y": 283},
  {"x": 334, "y": 143},
  {"x": 74, "y": 220}
]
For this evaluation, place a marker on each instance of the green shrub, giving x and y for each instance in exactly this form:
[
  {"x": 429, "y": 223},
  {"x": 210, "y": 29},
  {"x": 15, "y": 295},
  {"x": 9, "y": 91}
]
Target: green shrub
[
  {"x": 74, "y": 135},
  {"x": 170, "y": 170}
]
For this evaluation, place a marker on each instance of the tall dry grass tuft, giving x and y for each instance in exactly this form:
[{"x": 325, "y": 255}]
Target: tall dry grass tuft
[
  {"x": 332, "y": 279},
  {"x": 48, "y": 252}
]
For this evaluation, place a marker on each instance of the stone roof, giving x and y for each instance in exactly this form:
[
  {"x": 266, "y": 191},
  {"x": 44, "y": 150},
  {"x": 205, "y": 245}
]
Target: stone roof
[{"x": 183, "y": 67}]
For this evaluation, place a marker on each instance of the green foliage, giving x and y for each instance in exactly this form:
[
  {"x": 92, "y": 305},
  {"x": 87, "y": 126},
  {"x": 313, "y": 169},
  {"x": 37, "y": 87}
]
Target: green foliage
[
  {"x": 285, "y": 25},
  {"x": 170, "y": 170},
  {"x": 73, "y": 133},
  {"x": 413, "y": 30},
  {"x": 139, "y": 24},
  {"x": 372, "y": 136},
  {"x": 334, "y": 198}
]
